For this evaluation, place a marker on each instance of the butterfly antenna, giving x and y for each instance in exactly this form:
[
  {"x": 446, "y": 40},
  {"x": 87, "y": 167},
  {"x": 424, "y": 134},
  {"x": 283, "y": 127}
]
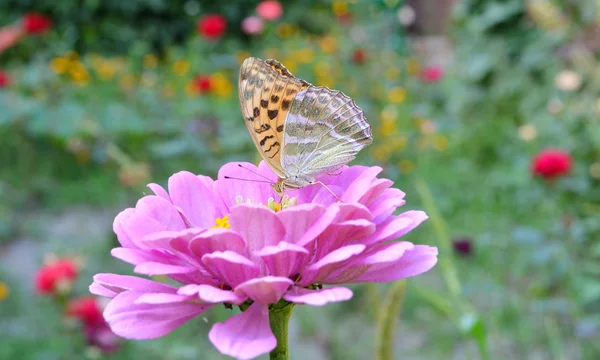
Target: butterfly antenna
[
  {"x": 330, "y": 191},
  {"x": 260, "y": 181},
  {"x": 256, "y": 173}
]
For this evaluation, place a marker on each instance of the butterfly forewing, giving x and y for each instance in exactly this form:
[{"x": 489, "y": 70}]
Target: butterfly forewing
[
  {"x": 324, "y": 130},
  {"x": 266, "y": 90}
]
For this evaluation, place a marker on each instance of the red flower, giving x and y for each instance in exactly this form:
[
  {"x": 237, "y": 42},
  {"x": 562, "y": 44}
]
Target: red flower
[
  {"x": 35, "y": 23},
  {"x": 359, "y": 56},
  {"x": 432, "y": 74},
  {"x": 87, "y": 310},
  {"x": 50, "y": 276},
  {"x": 5, "y": 80},
  {"x": 102, "y": 337},
  {"x": 203, "y": 84},
  {"x": 551, "y": 163},
  {"x": 212, "y": 26}
]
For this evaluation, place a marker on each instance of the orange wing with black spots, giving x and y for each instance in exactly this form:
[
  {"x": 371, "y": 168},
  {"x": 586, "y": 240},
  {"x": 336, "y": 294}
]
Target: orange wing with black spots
[{"x": 266, "y": 90}]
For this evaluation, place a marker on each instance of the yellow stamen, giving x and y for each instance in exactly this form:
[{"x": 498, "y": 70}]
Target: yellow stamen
[{"x": 222, "y": 222}]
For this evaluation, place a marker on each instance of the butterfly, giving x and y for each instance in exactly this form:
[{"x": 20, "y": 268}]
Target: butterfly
[{"x": 302, "y": 131}]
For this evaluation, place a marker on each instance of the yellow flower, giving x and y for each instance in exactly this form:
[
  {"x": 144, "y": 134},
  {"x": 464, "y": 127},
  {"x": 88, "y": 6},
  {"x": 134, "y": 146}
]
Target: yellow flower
[
  {"x": 60, "y": 65},
  {"x": 322, "y": 69},
  {"x": 381, "y": 153},
  {"x": 181, "y": 67},
  {"x": 327, "y": 44},
  {"x": 406, "y": 166},
  {"x": 221, "y": 85},
  {"x": 399, "y": 143},
  {"x": 106, "y": 71},
  {"x": 305, "y": 56},
  {"x": 397, "y": 95},
  {"x": 79, "y": 73},
  {"x": 4, "y": 291},
  {"x": 127, "y": 82},
  {"x": 412, "y": 66},
  {"x": 389, "y": 113},
  {"x": 149, "y": 61},
  {"x": 392, "y": 73},
  {"x": 388, "y": 127},
  {"x": 527, "y": 132},
  {"x": 284, "y": 30},
  {"x": 290, "y": 64},
  {"x": 440, "y": 143},
  {"x": 326, "y": 81},
  {"x": 340, "y": 8}
]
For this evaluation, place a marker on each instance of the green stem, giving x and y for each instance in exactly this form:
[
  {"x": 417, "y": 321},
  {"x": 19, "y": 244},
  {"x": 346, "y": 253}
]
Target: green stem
[{"x": 279, "y": 318}]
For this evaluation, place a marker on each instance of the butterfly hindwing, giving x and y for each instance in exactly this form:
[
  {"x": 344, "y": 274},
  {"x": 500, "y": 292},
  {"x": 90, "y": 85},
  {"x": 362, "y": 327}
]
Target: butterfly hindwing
[
  {"x": 324, "y": 131},
  {"x": 266, "y": 90}
]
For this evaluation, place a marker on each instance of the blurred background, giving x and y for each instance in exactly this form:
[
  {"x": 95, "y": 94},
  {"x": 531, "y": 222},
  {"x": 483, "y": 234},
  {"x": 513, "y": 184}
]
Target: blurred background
[{"x": 485, "y": 112}]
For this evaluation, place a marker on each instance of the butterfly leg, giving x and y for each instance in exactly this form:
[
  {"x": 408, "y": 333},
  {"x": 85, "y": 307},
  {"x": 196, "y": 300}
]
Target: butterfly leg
[{"x": 328, "y": 189}]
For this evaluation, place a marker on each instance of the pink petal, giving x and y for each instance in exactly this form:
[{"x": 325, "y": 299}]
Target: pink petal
[
  {"x": 118, "y": 283},
  {"x": 378, "y": 186},
  {"x": 231, "y": 267},
  {"x": 397, "y": 226},
  {"x": 330, "y": 215},
  {"x": 100, "y": 290},
  {"x": 322, "y": 268},
  {"x": 258, "y": 226},
  {"x": 298, "y": 222},
  {"x": 361, "y": 184},
  {"x": 412, "y": 262},
  {"x": 159, "y": 191},
  {"x": 157, "y": 268},
  {"x": 338, "y": 235},
  {"x": 160, "y": 210},
  {"x": 196, "y": 199},
  {"x": 216, "y": 240},
  {"x": 147, "y": 321},
  {"x": 265, "y": 290},
  {"x": 246, "y": 335},
  {"x": 163, "y": 239},
  {"x": 122, "y": 236},
  {"x": 318, "y": 297},
  {"x": 386, "y": 204},
  {"x": 137, "y": 256},
  {"x": 211, "y": 295},
  {"x": 230, "y": 189},
  {"x": 285, "y": 259},
  {"x": 161, "y": 298}
]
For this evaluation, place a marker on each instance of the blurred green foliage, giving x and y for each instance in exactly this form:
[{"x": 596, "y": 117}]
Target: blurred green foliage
[{"x": 107, "y": 101}]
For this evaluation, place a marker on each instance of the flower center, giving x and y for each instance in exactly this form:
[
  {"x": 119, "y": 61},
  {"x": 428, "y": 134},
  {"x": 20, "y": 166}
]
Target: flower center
[
  {"x": 222, "y": 222},
  {"x": 285, "y": 203}
]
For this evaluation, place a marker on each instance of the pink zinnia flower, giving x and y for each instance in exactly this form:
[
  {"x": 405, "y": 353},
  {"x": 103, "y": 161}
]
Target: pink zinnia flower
[
  {"x": 551, "y": 163},
  {"x": 212, "y": 26},
  {"x": 5, "y": 79},
  {"x": 35, "y": 23},
  {"x": 269, "y": 9},
  {"x": 432, "y": 74},
  {"x": 252, "y": 25},
  {"x": 56, "y": 276},
  {"x": 227, "y": 241}
]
